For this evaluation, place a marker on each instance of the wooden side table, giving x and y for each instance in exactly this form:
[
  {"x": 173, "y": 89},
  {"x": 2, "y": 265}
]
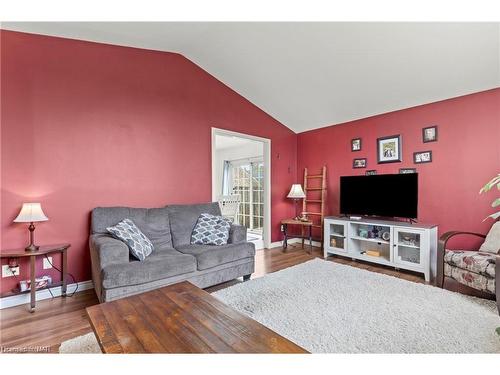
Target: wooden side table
[
  {"x": 42, "y": 251},
  {"x": 304, "y": 225}
]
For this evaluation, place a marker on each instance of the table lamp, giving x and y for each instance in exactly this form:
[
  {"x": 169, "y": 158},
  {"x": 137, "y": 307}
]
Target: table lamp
[
  {"x": 296, "y": 193},
  {"x": 31, "y": 213}
]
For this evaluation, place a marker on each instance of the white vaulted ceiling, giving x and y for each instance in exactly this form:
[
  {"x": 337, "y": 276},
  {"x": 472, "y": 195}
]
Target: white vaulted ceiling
[{"x": 311, "y": 75}]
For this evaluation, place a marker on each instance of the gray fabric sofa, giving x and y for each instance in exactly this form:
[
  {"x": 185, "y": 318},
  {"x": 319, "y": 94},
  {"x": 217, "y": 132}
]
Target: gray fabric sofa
[{"x": 117, "y": 274}]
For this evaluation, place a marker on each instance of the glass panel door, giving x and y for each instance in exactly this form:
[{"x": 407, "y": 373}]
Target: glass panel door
[
  {"x": 407, "y": 247},
  {"x": 257, "y": 187},
  {"x": 248, "y": 183},
  {"x": 338, "y": 234},
  {"x": 241, "y": 186}
]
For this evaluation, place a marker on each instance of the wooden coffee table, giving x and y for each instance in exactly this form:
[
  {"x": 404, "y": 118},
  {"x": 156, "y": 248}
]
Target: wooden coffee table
[{"x": 180, "y": 318}]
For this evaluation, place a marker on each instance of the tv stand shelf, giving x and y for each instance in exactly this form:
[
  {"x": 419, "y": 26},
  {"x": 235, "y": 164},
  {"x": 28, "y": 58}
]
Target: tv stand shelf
[
  {"x": 404, "y": 245},
  {"x": 377, "y": 240}
]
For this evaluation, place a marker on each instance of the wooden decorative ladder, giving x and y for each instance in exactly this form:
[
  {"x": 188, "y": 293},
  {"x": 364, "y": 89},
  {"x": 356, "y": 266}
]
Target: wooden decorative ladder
[{"x": 314, "y": 204}]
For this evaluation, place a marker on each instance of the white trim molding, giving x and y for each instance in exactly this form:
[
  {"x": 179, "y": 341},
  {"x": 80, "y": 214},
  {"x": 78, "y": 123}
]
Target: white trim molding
[
  {"x": 21, "y": 299},
  {"x": 266, "y": 235},
  {"x": 293, "y": 241}
]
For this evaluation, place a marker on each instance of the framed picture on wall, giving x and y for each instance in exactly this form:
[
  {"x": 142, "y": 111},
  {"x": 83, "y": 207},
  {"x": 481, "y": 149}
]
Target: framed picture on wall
[
  {"x": 389, "y": 149},
  {"x": 371, "y": 172},
  {"x": 407, "y": 170},
  {"x": 422, "y": 157},
  {"x": 359, "y": 163},
  {"x": 356, "y": 144},
  {"x": 430, "y": 134}
]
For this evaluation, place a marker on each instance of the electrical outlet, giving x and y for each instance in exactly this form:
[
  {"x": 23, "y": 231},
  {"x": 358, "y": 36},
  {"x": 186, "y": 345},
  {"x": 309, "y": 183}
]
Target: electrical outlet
[
  {"x": 8, "y": 272},
  {"x": 47, "y": 263}
]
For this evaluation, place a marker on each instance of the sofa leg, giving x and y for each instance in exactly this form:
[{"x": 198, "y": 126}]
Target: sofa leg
[{"x": 246, "y": 277}]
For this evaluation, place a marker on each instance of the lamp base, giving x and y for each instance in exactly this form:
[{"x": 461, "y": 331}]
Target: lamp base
[{"x": 31, "y": 247}]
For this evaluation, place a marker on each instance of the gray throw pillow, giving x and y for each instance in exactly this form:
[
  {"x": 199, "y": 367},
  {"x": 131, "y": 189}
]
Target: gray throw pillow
[
  {"x": 210, "y": 230},
  {"x": 140, "y": 246}
]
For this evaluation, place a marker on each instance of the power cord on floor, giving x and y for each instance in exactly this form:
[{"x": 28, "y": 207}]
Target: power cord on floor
[
  {"x": 48, "y": 287},
  {"x": 17, "y": 279},
  {"x": 57, "y": 269}
]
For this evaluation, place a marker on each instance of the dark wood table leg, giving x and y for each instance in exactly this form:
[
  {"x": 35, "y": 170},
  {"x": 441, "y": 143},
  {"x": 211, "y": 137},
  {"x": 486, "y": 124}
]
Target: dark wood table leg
[
  {"x": 285, "y": 237},
  {"x": 32, "y": 283},
  {"x": 302, "y": 234},
  {"x": 310, "y": 239},
  {"x": 64, "y": 270}
]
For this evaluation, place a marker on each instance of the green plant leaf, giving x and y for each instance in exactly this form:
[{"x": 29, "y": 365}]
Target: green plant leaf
[
  {"x": 494, "y": 181},
  {"x": 494, "y": 216}
]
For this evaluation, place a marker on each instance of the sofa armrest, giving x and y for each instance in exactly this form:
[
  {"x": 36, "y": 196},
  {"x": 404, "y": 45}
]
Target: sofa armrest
[
  {"x": 237, "y": 234},
  {"x": 443, "y": 241},
  {"x": 107, "y": 250}
]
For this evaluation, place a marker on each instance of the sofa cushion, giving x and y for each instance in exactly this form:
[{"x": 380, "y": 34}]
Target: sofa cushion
[
  {"x": 211, "y": 230},
  {"x": 237, "y": 233},
  {"x": 492, "y": 242},
  {"x": 139, "y": 245},
  {"x": 471, "y": 279},
  {"x": 183, "y": 218},
  {"x": 155, "y": 267},
  {"x": 153, "y": 222},
  {"x": 209, "y": 256},
  {"x": 473, "y": 261}
]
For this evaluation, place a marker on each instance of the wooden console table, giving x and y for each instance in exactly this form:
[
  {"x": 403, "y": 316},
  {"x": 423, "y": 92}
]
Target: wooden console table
[
  {"x": 409, "y": 246},
  {"x": 304, "y": 225},
  {"x": 42, "y": 251}
]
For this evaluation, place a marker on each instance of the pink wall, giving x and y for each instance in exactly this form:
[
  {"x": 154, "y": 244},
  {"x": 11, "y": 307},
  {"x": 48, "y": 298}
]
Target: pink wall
[
  {"x": 87, "y": 124},
  {"x": 465, "y": 157}
]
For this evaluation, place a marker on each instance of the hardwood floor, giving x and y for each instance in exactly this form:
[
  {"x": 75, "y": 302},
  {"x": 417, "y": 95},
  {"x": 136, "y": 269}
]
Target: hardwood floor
[{"x": 60, "y": 319}]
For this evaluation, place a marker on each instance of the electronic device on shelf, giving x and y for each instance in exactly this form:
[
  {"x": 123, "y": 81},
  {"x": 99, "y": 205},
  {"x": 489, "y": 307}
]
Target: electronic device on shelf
[
  {"x": 385, "y": 195},
  {"x": 41, "y": 282}
]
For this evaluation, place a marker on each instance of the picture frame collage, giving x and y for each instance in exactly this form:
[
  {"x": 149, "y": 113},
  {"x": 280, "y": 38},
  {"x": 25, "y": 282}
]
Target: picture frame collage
[{"x": 389, "y": 150}]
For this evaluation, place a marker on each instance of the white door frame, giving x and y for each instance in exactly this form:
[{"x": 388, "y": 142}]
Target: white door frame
[{"x": 266, "y": 232}]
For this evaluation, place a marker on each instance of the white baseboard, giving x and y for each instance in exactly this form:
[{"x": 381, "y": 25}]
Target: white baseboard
[
  {"x": 276, "y": 244},
  {"x": 293, "y": 241},
  {"x": 21, "y": 299}
]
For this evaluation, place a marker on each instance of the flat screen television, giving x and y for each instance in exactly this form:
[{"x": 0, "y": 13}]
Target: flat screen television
[{"x": 385, "y": 195}]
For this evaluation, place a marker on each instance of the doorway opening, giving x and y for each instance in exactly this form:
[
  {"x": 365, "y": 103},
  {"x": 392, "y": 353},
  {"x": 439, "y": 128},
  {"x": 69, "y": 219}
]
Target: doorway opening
[{"x": 241, "y": 175}]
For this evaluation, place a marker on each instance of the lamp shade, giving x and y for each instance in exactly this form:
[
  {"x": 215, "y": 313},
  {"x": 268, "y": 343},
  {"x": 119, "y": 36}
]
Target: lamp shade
[
  {"x": 31, "y": 212},
  {"x": 296, "y": 192}
]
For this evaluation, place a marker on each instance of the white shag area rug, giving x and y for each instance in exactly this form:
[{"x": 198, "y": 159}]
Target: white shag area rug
[
  {"x": 82, "y": 344},
  {"x": 327, "y": 307}
]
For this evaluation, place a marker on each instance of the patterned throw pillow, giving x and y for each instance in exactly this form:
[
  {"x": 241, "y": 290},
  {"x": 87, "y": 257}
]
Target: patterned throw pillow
[
  {"x": 210, "y": 230},
  {"x": 140, "y": 246}
]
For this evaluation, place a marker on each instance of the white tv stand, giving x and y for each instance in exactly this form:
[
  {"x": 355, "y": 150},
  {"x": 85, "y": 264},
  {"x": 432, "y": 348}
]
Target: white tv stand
[{"x": 407, "y": 246}]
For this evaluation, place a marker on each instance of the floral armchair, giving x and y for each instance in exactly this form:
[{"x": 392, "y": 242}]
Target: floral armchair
[{"x": 477, "y": 269}]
